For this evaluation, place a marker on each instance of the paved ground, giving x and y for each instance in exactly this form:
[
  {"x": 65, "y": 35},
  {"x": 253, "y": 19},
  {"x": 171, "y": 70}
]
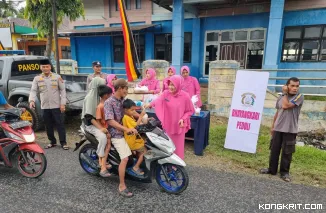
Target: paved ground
[{"x": 65, "y": 187}]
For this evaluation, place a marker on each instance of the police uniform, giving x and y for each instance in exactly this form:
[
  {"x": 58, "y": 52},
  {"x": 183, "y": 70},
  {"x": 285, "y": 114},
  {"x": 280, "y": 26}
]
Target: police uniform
[
  {"x": 52, "y": 94},
  {"x": 91, "y": 76}
]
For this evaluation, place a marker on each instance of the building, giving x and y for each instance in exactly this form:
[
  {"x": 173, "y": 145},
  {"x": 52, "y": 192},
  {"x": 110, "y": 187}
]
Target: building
[
  {"x": 23, "y": 37},
  {"x": 268, "y": 34}
]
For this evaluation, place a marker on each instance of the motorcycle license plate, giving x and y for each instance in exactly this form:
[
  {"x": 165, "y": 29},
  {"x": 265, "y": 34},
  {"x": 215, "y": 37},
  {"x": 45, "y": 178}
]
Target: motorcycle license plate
[{"x": 20, "y": 124}]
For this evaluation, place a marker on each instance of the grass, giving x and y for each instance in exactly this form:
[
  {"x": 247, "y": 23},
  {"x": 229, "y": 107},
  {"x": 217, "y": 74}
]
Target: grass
[
  {"x": 315, "y": 98},
  {"x": 308, "y": 164}
]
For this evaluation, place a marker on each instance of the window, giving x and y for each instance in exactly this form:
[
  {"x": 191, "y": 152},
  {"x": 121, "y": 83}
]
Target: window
[
  {"x": 241, "y": 35},
  {"x": 304, "y": 43},
  {"x": 26, "y": 67},
  {"x": 243, "y": 45},
  {"x": 128, "y": 4},
  {"x": 163, "y": 47},
  {"x": 116, "y": 5},
  {"x": 1, "y": 68},
  {"x": 66, "y": 52},
  {"x": 118, "y": 48},
  {"x": 138, "y": 4}
]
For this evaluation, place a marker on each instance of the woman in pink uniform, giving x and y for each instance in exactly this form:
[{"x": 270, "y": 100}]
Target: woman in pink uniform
[
  {"x": 171, "y": 72},
  {"x": 191, "y": 84},
  {"x": 174, "y": 108},
  {"x": 110, "y": 79},
  {"x": 151, "y": 82}
]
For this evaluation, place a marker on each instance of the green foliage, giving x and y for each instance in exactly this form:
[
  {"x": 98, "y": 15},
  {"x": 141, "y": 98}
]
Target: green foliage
[
  {"x": 308, "y": 165},
  {"x": 7, "y": 8},
  {"x": 39, "y": 13}
]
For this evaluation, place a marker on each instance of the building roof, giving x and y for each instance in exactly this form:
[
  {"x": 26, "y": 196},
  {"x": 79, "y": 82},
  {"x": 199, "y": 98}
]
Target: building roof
[
  {"x": 102, "y": 31},
  {"x": 25, "y": 23}
]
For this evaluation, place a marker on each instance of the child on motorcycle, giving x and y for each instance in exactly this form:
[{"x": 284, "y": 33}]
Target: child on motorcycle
[
  {"x": 135, "y": 142},
  {"x": 95, "y": 124}
]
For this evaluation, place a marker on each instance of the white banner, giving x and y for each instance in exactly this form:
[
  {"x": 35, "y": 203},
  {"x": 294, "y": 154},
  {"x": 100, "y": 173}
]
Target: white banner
[
  {"x": 246, "y": 111},
  {"x": 5, "y": 35}
]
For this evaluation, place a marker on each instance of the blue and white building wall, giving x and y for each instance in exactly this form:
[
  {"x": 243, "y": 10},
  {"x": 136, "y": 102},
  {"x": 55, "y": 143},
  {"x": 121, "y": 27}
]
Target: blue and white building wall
[{"x": 245, "y": 37}]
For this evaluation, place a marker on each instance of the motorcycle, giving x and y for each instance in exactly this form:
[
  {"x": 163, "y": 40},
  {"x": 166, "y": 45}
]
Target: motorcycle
[
  {"x": 17, "y": 144},
  {"x": 159, "y": 161}
]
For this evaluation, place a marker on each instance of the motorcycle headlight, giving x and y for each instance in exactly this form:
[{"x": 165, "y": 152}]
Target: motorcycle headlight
[
  {"x": 29, "y": 138},
  {"x": 13, "y": 136}
]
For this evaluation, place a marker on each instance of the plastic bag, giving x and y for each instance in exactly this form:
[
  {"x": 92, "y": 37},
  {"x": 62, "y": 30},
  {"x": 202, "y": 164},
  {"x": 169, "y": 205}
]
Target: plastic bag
[
  {"x": 141, "y": 89},
  {"x": 149, "y": 98}
]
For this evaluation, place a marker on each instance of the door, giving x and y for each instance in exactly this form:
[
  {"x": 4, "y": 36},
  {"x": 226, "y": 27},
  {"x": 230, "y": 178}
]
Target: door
[{"x": 234, "y": 51}]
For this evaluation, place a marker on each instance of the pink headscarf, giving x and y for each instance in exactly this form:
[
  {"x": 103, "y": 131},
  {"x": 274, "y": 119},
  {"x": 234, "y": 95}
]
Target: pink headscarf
[
  {"x": 171, "y": 108},
  {"x": 152, "y": 83},
  {"x": 191, "y": 86},
  {"x": 109, "y": 79},
  {"x": 165, "y": 81}
]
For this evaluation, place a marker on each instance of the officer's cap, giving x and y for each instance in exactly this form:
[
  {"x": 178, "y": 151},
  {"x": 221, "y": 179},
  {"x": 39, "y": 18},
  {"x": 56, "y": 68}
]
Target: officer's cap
[
  {"x": 45, "y": 62},
  {"x": 96, "y": 63}
]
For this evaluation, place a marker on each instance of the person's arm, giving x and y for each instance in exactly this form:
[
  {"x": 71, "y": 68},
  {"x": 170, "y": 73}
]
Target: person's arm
[
  {"x": 141, "y": 117},
  {"x": 197, "y": 87},
  {"x": 117, "y": 126},
  {"x": 63, "y": 95},
  {"x": 33, "y": 93},
  {"x": 286, "y": 104},
  {"x": 92, "y": 120},
  {"x": 275, "y": 117},
  {"x": 188, "y": 112},
  {"x": 157, "y": 88}
]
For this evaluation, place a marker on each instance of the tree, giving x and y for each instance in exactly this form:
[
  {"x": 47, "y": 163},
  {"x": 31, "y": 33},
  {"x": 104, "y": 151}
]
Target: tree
[
  {"x": 39, "y": 14},
  {"x": 7, "y": 8},
  {"x": 21, "y": 12}
]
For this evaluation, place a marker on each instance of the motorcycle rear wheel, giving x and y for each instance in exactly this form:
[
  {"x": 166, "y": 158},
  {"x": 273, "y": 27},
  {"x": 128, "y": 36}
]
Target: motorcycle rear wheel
[
  {"x": 177, "y": 178},
  {"x": 34, "y": 167}
]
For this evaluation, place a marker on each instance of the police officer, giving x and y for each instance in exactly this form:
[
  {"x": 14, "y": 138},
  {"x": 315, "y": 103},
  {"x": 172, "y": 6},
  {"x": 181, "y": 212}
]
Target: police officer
[
  {"x": 97, "y": 67},
  {"x": 52, "y": 92}
]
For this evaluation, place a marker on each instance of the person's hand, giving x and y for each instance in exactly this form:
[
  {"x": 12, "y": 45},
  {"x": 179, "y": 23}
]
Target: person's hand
[
  {"x": 32, "y": 105},
  {"x": 146, "y": 106},
  {"x": 151, "y": 119},
  {"x": 142, "y": 113},
  {"x": 23, "y": 110},
  {"x": 285, "y": 89},
  {"x": 131, "y": 131},
  {"x": 62, "y": 108},
  {"x": 104, "y": 130},
  {"x": 181, "y": 123},
  {"x": 272, "y": 131}
]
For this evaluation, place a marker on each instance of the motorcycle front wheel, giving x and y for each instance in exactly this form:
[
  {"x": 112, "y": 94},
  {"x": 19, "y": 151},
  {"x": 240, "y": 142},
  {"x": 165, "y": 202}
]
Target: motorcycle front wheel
[
  {"x": 31, "y": 164},
  {"x": 173, "y": 179}
]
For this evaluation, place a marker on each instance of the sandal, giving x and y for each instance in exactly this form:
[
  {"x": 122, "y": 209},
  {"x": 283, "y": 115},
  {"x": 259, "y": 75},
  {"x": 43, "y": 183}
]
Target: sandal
[
  {"x": 139, "y": 172},
  {"x": 265, "y": 171},
  {"x": 125, "y": 193},
  {"x": 108, "y": 166},
  {"x": 49, "y": 146},
  {"x": 286, "y": 178},
  {"x": 105, "y": 173},
  {"x": 65, "y": 147}
]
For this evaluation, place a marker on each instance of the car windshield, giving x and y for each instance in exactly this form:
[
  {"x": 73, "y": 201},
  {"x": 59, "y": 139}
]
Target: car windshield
[{"x": 26, "y": 67}]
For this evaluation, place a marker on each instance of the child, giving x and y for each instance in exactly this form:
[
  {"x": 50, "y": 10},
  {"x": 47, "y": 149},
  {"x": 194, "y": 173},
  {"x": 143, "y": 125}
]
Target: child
[
  {"x": 171, "y": 72},
  {"x": 151, "y": 82},
  {"x": 105, "y": 93},
  {"x": 135, "y": 142}
]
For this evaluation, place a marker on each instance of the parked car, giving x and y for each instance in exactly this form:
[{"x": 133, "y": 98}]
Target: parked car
[{"x": 16, "y": 77}]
